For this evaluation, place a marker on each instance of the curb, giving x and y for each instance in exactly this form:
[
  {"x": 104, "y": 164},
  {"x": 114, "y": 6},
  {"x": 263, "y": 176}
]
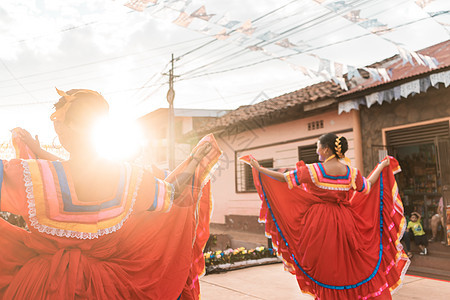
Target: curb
[{"x": 242, "y": 264}]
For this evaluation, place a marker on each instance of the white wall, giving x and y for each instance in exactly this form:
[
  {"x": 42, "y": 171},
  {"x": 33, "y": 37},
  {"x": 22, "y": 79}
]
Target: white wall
[{"x": 272, "y": 142}]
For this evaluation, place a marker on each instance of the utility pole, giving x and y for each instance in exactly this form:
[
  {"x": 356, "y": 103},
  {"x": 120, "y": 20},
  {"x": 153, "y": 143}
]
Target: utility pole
[{"x": 171, "y": 131}]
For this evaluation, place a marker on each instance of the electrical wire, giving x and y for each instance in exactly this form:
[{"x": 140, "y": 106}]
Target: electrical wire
[
  {"x": 308, "y": 50},
  {"x": 235, "y": 54}
]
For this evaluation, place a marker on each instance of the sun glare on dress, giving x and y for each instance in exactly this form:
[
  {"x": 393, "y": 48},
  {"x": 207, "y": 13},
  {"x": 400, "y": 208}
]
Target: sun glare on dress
[{"x": 118, "y": 139}]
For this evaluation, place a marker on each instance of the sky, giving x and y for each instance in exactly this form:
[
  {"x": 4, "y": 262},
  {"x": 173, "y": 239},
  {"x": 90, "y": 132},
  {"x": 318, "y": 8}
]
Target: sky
[{"x": 124, "y": 53}]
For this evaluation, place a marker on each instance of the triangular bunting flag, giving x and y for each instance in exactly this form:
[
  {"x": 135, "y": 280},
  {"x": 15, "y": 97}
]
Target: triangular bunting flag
[
  {"x": 139, "y": 5},
  {"x": 405, "y": 55},
  {"x": 201, "y": 14},
  {"x": 223, "y": 35},
  {"x": 371, "y": 23},
  {"x": 383, "y": 74},
  {"x": 255, "y": 48},
  {"x": 373, "y": 74},
  {"x": 353, "y": 16},
  {"x": 338, "y": 69},
  {"x": 423, "y": 3},
  {"x": 285, "y": 43},
  {"x": 183, "y": 19},
  {"x": 337, "y": 5},
  {"x": 324, "y": 64},
  {"x": 353, "y": 72},
  {"x": 226, "y": 22},
  {"x": 269, "y": 35},
  {"x": 246, "y": 28},
  {"x": 341, "y": 83}
]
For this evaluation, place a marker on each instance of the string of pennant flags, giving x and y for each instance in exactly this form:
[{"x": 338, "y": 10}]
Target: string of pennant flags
[{"x": 245, "y": 33}]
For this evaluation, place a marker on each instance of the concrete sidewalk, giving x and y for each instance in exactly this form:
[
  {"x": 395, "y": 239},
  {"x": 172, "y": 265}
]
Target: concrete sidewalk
[{"x": 272, "y": 282}]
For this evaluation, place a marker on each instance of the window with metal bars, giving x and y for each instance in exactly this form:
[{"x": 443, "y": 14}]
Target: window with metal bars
[
  {"x": 244, "y": 176},
  {"x": 308, "y": 154}
]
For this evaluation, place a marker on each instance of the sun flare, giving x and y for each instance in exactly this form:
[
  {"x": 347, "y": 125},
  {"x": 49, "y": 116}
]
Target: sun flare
[{"x": 118, "y": 139}]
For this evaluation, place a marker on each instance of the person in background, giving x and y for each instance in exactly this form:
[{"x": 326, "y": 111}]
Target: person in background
[
  {"x": 438, "y": 220},
  {"x": 416, "y": 229},
  {"x": 325, "y": 221}
]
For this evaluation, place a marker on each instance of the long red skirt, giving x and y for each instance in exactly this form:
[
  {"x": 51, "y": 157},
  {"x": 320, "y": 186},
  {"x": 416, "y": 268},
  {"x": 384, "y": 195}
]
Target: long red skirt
[{"x": 338, "y": 251}]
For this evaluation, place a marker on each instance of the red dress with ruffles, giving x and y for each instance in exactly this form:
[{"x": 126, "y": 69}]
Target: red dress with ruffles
[
  {"x": 139, "y": 244},
  {"x": 336, "y": 234}
]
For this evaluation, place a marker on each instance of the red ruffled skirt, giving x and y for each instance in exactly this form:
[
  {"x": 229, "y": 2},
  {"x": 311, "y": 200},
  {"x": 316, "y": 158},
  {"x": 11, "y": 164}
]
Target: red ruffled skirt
[{"x": 338, "y": 251}]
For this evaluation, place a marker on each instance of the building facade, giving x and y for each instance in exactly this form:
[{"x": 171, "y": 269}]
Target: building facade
[{"x": 409, "y": 118}]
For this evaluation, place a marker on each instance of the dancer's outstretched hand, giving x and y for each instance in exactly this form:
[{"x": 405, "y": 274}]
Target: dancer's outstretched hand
[
  {"x": 201, "y": 152},
  {"x": 25, "y": 136},
  {"x": 386, "y": 161},
  {"x": 255, "y": 163}
]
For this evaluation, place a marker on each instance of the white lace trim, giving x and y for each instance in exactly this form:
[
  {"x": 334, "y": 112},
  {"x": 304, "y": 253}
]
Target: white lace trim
[
  {"x": 34, "y": 222},
  {"x": 325, "y": 187},
  {"x": 402, "y": 277},
  {"x": 204, "y": 182}
]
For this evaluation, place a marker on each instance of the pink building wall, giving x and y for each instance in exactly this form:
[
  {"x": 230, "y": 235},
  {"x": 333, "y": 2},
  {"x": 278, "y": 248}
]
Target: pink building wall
[{"x": 278, "y": 142}]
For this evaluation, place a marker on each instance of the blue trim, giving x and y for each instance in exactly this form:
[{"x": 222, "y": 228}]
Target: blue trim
[
  {"x": 296, "y": 178},
  {"x": 335, "y": 287},
  {"x": 67, "y": 197},
  {"x": 193, "y": 181},
  {"x": 155, "y": 199},
  {"x": 1, "y": 182},
  {"x": 363, "y": 187},
  {"x": 324, "y": 174}
]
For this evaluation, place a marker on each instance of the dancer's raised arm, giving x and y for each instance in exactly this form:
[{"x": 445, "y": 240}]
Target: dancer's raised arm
[
  {"x": 181, "y": 180},
  {"x": 376, "y": 174},
  {"x": 34, "y": 144},
  {"x": 277, "y": 175}
]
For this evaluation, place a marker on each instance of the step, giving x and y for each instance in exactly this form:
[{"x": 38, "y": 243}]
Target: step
[
  {"x": 431, "y": 260},
  {"x": 428, "y": 272}
]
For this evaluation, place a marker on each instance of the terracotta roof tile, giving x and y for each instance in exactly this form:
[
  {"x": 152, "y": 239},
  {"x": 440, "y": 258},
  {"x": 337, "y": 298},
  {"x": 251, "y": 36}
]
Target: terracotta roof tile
[{"x": 319, "y": 91}]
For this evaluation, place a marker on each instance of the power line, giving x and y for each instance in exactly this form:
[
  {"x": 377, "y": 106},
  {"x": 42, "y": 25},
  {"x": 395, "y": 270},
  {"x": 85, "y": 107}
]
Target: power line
[
  {"x": 258, "y": 62},
  {"x": 103, "y": 60},
  {"x": 295, "y": 54},
  {"x": 255, "y": 20},
  {"x": 317, "y": 19},
  {"x": 16, "y": 79}
]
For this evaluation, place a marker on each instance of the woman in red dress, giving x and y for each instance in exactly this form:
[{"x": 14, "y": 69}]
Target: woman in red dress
[
  {"x": 336, "y": 231},
  {"x": 100, "y": 229}
]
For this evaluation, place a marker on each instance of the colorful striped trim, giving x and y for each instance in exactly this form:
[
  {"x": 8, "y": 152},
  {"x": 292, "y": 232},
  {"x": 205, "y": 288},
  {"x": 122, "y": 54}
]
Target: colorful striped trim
[
  {"x": 366, "y": 186},
  {"x": 291, "y": 178},
  {"x": 69, "y": 206},
  {"x": 52, "y": 209},
  {"x": 340, "y": 184},
  {"x": 325, "y": 175},
  {"x": 1, "y": 181},
  {"x": 164, "y": 194},
  {"x": 334, "y": 287}
]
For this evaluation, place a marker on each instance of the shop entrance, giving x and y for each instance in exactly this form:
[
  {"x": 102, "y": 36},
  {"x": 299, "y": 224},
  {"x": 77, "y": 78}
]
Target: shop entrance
[
  {"x": 423, "y": 153},
  {"x": 418, "y": 182}
]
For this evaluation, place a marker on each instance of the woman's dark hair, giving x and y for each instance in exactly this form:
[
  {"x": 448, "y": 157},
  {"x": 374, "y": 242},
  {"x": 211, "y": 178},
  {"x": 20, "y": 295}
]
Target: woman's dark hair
[
  {"x": 330, "y": 140},
  {"x": 85, "y": 109}
]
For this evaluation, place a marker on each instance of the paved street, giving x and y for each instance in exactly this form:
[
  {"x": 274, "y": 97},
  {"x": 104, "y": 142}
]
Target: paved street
[{"x": 272, "y": 282}]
